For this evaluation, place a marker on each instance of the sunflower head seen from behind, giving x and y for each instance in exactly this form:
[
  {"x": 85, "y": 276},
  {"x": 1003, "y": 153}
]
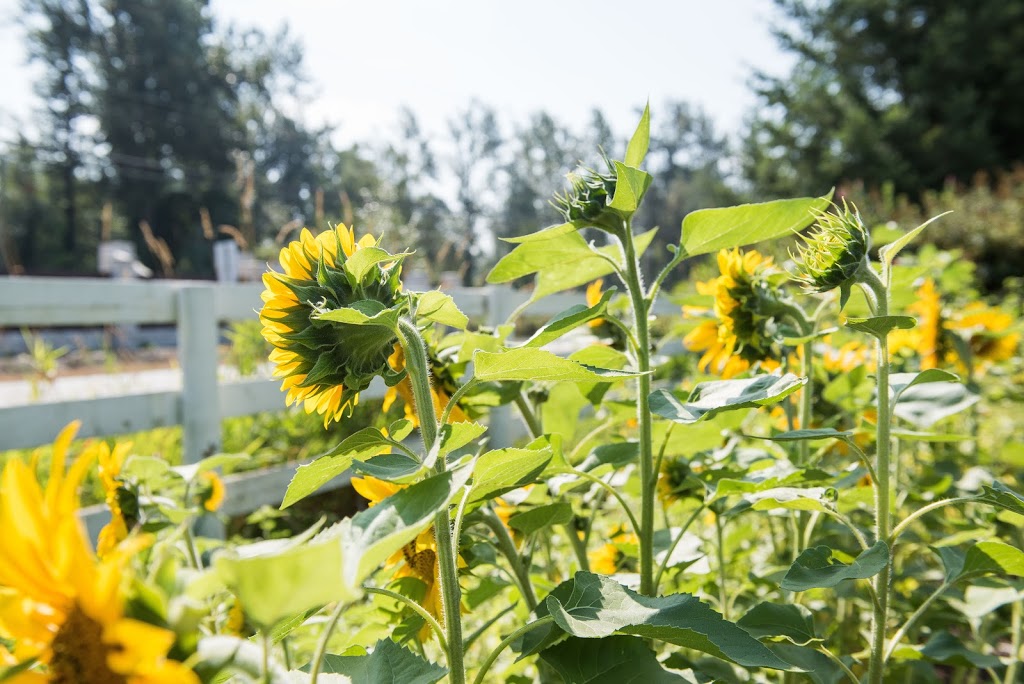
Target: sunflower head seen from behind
[
  {"x": 325, "y": 363},
  {"x": 741, "y": 328}
]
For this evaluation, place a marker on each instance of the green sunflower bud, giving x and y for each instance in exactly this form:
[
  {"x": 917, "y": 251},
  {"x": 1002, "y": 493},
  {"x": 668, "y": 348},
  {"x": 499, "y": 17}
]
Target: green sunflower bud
[
  {"x": 833, "y": 253},
  {"x": 325, "y": 363},
  {"x": 586, "y": 201}
]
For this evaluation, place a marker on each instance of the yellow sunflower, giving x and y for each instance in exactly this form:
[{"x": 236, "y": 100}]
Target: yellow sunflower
[
  {"x": 419, "y": 555},
  {"x": 110, "y": 461},
  {"x": 59, "y": 605},
  {"x": 983, "y": 330},
  {"x": 610, "y": 558},
  {"x": 594, "y": 293},
  {"x": 442, "y": 386},
  {"x": 325, "y": 364},
  {"x": 847, "y": 357},
  {"x": 739, "y": 334}
]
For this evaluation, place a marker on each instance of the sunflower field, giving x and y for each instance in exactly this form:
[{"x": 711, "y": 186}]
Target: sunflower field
[{"x": 807, "y": 475}]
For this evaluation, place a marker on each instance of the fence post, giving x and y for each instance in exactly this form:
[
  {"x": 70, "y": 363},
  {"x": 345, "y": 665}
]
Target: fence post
[
  {"x": 200, "y": 402},
  {"x": 500, "y": 430},
  {"x": 197, "y": 354}
]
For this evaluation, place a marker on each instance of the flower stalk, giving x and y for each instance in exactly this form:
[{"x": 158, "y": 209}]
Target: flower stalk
[{"x": 416, "y": 364}]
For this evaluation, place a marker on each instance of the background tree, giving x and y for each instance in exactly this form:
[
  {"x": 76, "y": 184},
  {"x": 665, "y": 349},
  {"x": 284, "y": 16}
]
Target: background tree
[{"x": 908, "y": 91}]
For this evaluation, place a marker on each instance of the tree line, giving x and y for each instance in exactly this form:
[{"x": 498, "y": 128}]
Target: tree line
[{"x": 160, "y": 127}]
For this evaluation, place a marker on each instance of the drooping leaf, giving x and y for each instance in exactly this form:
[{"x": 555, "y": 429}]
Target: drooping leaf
[
  {"x": 561, "y": 262},
  {"x": 613, "y": 454},
  {"x": 387, "y": 663},
  {"x": 368, "y": 312},
  {"x": 399, "y": 468},
  {"x": 593, "y": 607},
  {"x": 540, "y": 517},
  {"x": 376, "y": 533},
  {"x": 898, "y": 382},
  {"x": 624, "y": 659},
  {"x": 792, "y": 498},
  {"x": 708, "y": 399},
  {"x": 923, "y": 405},
  {"x": 279, "y": 578},
  {"x": 818, "y": 568},
  {"x": 312, "y": 476},
  {"x": 440, "y": 308},
  {"x": 946, "y": 649},
  {"x": 779, "y": 622},
  {"x": 503, "y": 470},
  {"x": 569, "y": 320},
  {"x": 543, "y": 234},
  {"x": 1002, "y": 496},
  {"x": 709, "y": 230},
  {"x": 810, "y": 435},
  {"x": 527, "y": 363},
  {"x": 879, "y": 326}
]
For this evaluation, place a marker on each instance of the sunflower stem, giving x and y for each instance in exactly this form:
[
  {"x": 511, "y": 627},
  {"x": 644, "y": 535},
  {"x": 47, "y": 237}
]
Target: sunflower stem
[
  {"x": 877, "y": 291},
  {"x": 448, "y": 573},
  {"x": 648, "y": 476}
]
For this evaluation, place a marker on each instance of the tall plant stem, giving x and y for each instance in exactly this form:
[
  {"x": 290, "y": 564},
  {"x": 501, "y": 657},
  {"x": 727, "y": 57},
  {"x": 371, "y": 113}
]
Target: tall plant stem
[
  {"x": 648, "y": 478},
  {"x": 873, "y": 285},
  {"x": 508, "y": 549},
  {"x": 451, "y": 598}
]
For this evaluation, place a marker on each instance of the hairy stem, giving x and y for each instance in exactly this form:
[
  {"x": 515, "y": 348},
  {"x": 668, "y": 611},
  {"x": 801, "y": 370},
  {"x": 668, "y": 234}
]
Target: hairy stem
[
  {"x": 448, "y": 573},
  {"x": 648, "y": 477}
]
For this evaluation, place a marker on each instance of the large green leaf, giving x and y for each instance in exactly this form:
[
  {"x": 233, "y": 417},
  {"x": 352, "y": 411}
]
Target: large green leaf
[
  {"x": 503, "y": 470},
  {"x": 593, "y": 607},
  {"x": 363, "y": 260},
  {"x": 457, "y": 435},
  {"x": 818, "y": 568},
  {"x": 992, "y": 558},
  {"x": 278, "y": 578},
  {"x": 618, "y": 659},
  {"x": 898, "y": 382},
  {"x": 779, "y": 622},
  {"x": 923, "y": 405},
  {"x": 709, "y": 230},
  {"x": 440, "y": 308},
  {"x": 569, "y": 320},
  {"x": 534, "y": 519},
  {"x": 946, "y": 649},
  {"x": 388, "y": 663},
  {"x": 528, "y": 363},
  {"x": 312, "y": 476},
  {"x": 374, "y": 534},
  {"x": 880, "y": 326},
  {"x": 561, "y": 262},
  {"x": 708, "y": 399}
]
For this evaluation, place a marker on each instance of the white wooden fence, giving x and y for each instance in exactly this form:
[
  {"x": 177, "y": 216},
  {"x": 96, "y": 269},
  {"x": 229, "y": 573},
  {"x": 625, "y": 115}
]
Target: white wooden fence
[{"x": 197, "y": 309}]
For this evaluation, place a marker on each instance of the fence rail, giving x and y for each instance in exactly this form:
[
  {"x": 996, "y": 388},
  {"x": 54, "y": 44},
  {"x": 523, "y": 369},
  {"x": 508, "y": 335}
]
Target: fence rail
[{"x": 197, "y": 309}]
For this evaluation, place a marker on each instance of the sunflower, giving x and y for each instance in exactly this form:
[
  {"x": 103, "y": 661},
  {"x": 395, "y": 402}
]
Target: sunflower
[
  {"x": 676, "y": 481},
  {"x": 418, "y": 558},
  {"x": 442, "y": 386},
  {"x": 742, "y": 331},
  {"x": 611, "y": 557},
  {"x": 982, "y": 330},
  {"x": 325, "y": 364},
  {"x": 847, "y": 357},
  {"x": 59, "y": 605},
  {"x": 118, "y": 497}
]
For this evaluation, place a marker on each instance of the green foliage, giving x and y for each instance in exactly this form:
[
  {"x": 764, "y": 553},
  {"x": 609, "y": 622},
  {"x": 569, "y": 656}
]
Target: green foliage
[{"x": 870, "y": 96}]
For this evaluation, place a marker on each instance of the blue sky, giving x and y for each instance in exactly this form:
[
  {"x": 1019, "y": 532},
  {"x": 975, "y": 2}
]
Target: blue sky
[{"x": 367, "y": 59}]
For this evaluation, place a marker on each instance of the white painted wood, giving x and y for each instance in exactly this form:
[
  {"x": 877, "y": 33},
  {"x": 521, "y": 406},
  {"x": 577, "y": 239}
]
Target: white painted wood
[
  {"x": 26, "y": 301},
  {"x": 197, "y": 353},
  {"x": 23, "y": 427}
]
